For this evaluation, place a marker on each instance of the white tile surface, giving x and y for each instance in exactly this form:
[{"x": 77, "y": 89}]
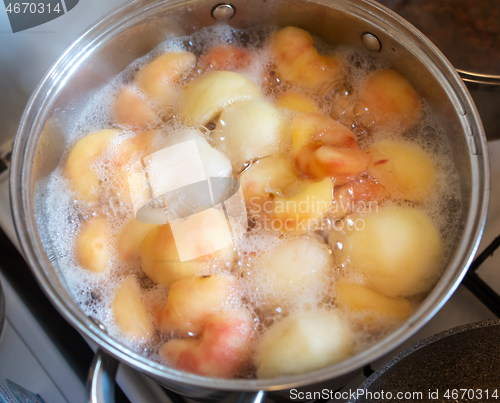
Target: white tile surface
[
  {"x": 15, "y": 357},
  {"x": 29, "y": 358},
  {"x": 490, "y": 269}
]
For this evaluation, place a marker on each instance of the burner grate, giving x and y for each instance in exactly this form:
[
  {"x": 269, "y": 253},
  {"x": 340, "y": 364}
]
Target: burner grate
[{"x": 477, "y": 286}]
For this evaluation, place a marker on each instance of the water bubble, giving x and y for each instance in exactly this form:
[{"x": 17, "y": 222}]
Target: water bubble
[{"x": 453, "y": 205}]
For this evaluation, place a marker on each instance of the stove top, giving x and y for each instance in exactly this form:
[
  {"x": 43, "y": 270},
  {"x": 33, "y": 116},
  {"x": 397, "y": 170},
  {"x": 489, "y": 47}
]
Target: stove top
[{"x": 36, "y": 360}]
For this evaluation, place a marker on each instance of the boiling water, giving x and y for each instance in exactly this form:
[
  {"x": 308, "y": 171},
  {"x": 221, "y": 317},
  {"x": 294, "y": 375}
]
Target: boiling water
[{"x": 94, "y": 292}]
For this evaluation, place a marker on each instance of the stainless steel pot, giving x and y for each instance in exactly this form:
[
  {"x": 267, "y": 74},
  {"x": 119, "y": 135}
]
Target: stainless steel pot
[{"x": 133, "y": 30}]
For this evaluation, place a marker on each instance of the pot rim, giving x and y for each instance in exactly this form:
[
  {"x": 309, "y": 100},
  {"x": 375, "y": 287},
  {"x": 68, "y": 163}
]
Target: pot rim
[{"x": 21, "y": 193}]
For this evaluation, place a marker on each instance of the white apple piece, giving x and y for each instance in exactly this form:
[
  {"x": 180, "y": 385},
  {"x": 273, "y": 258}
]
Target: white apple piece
[
  {"x": 247, "y": 130},
  {"x": 159, "y": 250},
  {"x": 271, "y": 175},
  {"x": 130, "y": 237},
  {"x": 222, "y": 350},
  {"x": 206, "y": 96},
  {"x": 157, "y": 78},
  {"x": 397, "y": 250},
  {"x": 373, "y": 306},
  {"x": 129, "y": 311},
  {"x": 302, "y": 342},
  {"x": 192, "y": 300},
  {"x": 295, "y": 273},
  {"x": 131, "y": 109},
  {"x": 298, "y": 62},
  {"x": 92, "y": 245},
  {"x": 404, "y": 169},
  {"x": 78, "y": 166},
  {"x": 303, "y": 210},
  {"x": 389, "y": 97}
]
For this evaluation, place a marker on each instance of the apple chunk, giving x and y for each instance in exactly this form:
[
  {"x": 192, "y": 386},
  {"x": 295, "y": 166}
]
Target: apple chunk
[
  {"x": 77, "y": 169},
  {"x": 298, "y": 62},
  {"x": 296, "y": 101},
  {"x": 248, "y": 130},
  {"x": 341, "y": 164},
  {"x": 129, "y": 311},
  {"x": 130, "y": 237},
  {"x": 159, "y": 251},
  {"x": 295, "y": 272},
  {"x": 133, "y": 147},
  {"x": 221, "y": 351},
  {"x": 404, "y": 169},
  {"x": 357, "y": 196},
  {"x": 397, "y": 250},
  {"x": 156, "y": 79},
  {"x": 125, "y": 155},
  {"x": 305, "y": 209},
  {"x": 92, "y": 250},
  {"x": 389, "y": 97},
  {"x": 225, "y": 58},
  {"x": 192, "y": 300},
  {"x": 372, "y": 305},
  {"x": 302, "y": 342},
  {"x": 132, "y": 110},
  {"x": 160, "y": 259},
  {"x": 271, "y": 175},
  {"x": 206, "y": 96},
  {"x": 314, "y": 127},
  {"x": 324, "y": 148}
]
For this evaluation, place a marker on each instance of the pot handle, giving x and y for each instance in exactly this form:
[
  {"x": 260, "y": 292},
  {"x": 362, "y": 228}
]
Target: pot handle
[
  {"x": 101, "y": 378},
  {"x": 101, "y": 382},
  {"x": 252, "y": 397}
]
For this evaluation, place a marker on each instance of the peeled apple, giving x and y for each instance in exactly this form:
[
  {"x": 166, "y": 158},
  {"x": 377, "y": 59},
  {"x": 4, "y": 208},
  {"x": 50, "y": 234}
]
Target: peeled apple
[
  {"x": 248, "y": 130},
  {"x": 397, "y": 250},
  {"x": 205, "y": 97},
  {"x": 302, "y": 342}
]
